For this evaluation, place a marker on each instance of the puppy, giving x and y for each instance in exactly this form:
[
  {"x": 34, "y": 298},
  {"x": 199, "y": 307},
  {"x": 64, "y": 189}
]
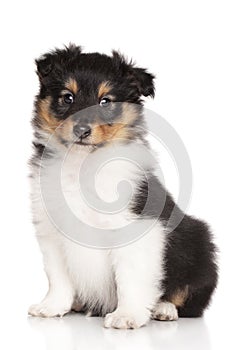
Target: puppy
[{"x": 88, "y": 107}]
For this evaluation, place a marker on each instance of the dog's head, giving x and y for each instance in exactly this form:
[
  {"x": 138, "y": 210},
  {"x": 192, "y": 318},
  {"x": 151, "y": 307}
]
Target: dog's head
[{"x": 90, "y": 98}]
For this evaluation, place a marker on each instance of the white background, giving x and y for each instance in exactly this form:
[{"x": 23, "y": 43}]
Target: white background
[{"x": 188, "y": 45}]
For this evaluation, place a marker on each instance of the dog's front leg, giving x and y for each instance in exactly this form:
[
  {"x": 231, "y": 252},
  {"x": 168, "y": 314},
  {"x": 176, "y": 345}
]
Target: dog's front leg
[
  {"x": 138, "y": 272},
  {"x": 58, "y": 301}
]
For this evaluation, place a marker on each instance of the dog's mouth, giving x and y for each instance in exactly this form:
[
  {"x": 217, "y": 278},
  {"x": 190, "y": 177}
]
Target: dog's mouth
[{"x": 82, "y": 143}]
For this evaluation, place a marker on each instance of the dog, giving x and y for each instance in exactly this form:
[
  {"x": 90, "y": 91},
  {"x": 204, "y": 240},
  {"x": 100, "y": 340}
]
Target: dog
[{"x": 91, "y": 104}]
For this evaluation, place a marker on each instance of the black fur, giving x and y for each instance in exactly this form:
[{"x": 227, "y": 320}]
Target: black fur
[
  {"x": 90, "y": 69},
  {"x": 190, "y": 258}
]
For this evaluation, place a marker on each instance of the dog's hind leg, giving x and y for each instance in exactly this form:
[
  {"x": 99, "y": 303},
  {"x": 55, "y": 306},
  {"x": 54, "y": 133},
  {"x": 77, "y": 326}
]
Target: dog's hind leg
[
  {"x": 196, "y": 302},
  {"x": 165, "y": 311}
]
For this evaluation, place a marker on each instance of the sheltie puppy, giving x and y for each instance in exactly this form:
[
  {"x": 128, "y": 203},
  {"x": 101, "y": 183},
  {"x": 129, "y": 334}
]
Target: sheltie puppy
[{"x": 88, "y": 107}]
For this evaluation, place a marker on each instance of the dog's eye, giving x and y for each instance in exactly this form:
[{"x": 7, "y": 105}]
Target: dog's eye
[
  {"x": 105, "y": 101},
  {"x": 68, "y": 98}
]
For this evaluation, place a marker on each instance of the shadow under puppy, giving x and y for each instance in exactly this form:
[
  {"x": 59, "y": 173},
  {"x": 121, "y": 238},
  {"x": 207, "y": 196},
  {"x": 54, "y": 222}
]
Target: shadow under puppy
[{"x": 163, "y": 274}]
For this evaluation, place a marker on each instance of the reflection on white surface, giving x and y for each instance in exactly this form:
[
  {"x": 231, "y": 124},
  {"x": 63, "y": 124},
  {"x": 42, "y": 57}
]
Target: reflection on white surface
[{"x": 75, "y": 331}]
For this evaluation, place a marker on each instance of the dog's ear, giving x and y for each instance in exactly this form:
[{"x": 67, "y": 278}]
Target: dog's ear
[
  {"x": 139, "y": 76},
  {"x": 44, "y": 66},
  {"x": 56, "y": 61},
  {"x": 144, "y": 81}
]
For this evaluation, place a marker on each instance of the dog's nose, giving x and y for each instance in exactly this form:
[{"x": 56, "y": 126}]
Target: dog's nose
[{"x": 82, "y": 131}]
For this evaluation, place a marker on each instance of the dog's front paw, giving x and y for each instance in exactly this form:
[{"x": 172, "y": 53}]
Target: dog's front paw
[
  {"x": 126, "y": 320},
  {"x": 49, "y": 308}
]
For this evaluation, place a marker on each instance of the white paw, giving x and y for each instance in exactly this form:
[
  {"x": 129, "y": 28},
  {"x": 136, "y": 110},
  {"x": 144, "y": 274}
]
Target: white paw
[
  {"x": 165, "y": 311},
  {"x": 126, "y": 320},
  {"x": 49, "y": 308}
]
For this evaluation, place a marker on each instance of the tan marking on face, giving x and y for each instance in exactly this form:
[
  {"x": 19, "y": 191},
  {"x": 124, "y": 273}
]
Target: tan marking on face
[
  {"x": 101, "y": 133},
  {"x": 129, "y": 113},
  {"x": 72, "y": 85},
  {"x": 104, "y": 133},
  {"x": 48, "y": 121},
  {"x": 104, "y": 88},
  {"x": 179, "y": 297},
  {"x": 119, "y": 130},
  {"x": 65, "y": 130}
]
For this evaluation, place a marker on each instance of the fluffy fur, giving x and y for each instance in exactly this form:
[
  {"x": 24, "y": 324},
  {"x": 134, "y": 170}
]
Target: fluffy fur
[{"x": 163, "y": 274}]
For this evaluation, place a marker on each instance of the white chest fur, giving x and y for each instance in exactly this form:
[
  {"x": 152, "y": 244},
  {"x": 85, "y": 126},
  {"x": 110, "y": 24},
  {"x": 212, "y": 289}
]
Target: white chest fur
[{"x": 89, "y": 185}]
